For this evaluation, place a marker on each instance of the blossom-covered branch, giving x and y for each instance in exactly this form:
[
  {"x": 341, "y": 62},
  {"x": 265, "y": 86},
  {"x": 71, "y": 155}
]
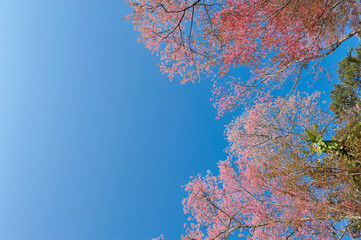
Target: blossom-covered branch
[{"x": 273, "y": 186}]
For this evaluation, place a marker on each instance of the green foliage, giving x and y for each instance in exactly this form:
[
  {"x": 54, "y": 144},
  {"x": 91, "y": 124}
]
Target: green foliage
[
  {"x": 345, "y": 96},
  {"x": 346, "y": 106},
  {"x": 349, "y": 138},
  {"x": 343, "y": 150},
  {"x": 315, "y": 141}
]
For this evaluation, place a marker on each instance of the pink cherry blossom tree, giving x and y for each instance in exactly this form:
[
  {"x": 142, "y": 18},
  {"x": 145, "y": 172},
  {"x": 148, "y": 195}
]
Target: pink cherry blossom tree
[
  {"x": 273, "y": 186},
  {"x": 274, "y": 38},
  {"x": 193, "y": 36}
]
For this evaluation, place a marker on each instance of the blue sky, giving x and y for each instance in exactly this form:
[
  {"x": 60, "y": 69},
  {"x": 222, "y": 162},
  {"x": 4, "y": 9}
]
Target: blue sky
[{"x": 95, "y": 143}]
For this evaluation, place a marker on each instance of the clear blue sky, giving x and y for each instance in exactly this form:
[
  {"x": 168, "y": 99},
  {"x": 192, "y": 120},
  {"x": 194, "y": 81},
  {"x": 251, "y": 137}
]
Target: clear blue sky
[{"x": 95, "y": 143}]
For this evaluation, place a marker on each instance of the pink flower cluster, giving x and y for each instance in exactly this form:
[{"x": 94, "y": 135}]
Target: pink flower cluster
[{"x": 244, "y": 201}]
